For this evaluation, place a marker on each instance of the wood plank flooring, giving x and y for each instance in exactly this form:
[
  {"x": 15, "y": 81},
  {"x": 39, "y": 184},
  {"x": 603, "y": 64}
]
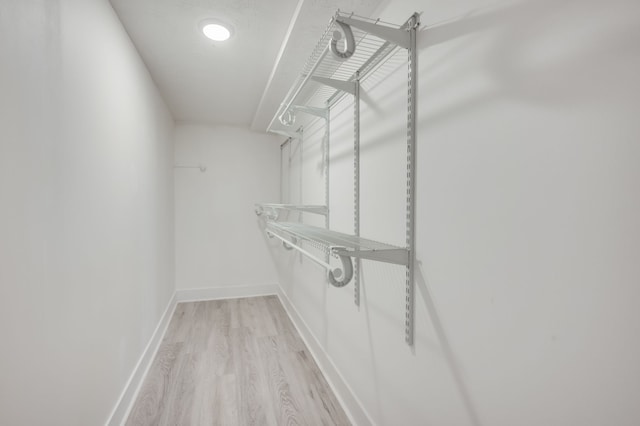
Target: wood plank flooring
[{"x": 234, "y": 362}]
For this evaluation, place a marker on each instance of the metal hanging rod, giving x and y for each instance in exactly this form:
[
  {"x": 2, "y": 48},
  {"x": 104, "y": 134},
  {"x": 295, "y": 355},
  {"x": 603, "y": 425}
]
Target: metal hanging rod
[
  {"x": 338, "y": 277},
  {"x": 202, "y": 167}
]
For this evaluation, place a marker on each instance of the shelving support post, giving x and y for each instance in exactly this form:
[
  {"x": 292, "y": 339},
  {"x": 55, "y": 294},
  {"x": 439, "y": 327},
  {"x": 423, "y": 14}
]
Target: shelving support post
[
  {"x": 325, "y": 157},
  {"x": 356, "y": 184},
  {"x": 411, "y": 179}
]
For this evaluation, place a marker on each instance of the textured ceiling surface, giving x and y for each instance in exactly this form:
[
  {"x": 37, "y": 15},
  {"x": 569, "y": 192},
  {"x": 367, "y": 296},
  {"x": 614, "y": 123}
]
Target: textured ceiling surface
[{"x": 240, "y": 82}]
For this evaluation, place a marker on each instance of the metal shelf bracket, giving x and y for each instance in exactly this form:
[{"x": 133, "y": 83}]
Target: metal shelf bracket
[
  {"x": 345, "y": 86},
  {"x": 289, "y": 134},
  {"x": 398, "y": 256},
  {"x": 318, "y": 112},
  {"x": 399, "y": 37}
]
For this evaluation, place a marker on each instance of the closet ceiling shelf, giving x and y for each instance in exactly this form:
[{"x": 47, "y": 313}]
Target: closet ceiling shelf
[
  {"x": 271, "y": 209},
  {"x": 350, "y": 47},
  {"x": 340, "y": 244}
]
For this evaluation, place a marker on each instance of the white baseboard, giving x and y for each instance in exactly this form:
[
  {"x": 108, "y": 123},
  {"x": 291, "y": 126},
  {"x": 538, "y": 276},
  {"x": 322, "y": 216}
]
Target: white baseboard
[
  {"x": 128, "y": 396},
  {"x": 351, "y": 404},
  {"x": 231, "y": 292}
]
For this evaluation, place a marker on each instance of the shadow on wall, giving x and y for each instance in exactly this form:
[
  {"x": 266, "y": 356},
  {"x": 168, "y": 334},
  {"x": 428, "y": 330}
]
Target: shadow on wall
[
  {"x": 532, "y": 58},
  {"x": 537, "y": 54},
  {"x": 372, "y": 352},
  {"x": 554, "y": 55},
  {"x": 423, "y": 290},
  {"x": 544, "y": 53}
]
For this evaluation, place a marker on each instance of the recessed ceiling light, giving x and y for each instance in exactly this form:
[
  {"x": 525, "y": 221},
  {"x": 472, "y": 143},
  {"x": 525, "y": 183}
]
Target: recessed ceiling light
[{"x": 216, "y": 31}]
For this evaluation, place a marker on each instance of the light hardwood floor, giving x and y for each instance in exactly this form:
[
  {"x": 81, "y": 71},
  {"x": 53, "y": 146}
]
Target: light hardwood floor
[{"x": 234, "y": 362}]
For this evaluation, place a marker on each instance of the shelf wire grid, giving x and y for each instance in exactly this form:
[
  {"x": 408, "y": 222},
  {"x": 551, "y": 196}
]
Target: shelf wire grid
[
  {"x": 324, "y": 239},
  {"x": 370, "y": 50}
]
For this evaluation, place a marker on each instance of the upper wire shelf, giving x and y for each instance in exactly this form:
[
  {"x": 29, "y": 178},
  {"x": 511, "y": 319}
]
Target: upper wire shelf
[{"x": 350, "y": 47}]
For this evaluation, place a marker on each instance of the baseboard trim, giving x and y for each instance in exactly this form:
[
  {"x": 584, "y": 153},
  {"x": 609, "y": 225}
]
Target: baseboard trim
[
  {"x": 231, "y": 292},
  {"x": 350, "y": 402},
  {"x": 132, "y": 388}
]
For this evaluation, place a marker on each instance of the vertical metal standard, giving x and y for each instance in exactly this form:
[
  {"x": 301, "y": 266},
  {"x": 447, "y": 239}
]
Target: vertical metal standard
[
  {"x": 301, "y": 160},
  {"x": 282, "y": 147},
  {"x": 281, "y": 200},
  {"x": 356, "y": 184},
  {"x": 325, "y": 154},
  {"x": 288, "y": 189},
  {"x": 411, "y": 177}
]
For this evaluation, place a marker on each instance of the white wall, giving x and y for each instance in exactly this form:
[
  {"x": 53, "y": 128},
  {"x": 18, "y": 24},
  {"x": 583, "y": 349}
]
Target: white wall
[
  {"x": 219, "y": 244},
  {"x": 527, "y": 221},
  {"x": 86, "y": 217}
]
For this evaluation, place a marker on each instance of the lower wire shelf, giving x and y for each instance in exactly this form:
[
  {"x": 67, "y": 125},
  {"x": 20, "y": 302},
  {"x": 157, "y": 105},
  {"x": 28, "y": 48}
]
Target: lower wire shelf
[
  {"x": 271, "y": 211},
  {"x": 342, "y": 246}
]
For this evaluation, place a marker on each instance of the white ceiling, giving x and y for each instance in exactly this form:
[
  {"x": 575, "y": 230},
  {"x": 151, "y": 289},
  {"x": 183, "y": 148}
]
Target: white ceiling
[{"x": 240, "y": 82}]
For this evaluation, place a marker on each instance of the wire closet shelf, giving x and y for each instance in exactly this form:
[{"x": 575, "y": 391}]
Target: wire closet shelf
[
  {"x": 350, "y": 47},
  {"x": 339, "y": 245}
]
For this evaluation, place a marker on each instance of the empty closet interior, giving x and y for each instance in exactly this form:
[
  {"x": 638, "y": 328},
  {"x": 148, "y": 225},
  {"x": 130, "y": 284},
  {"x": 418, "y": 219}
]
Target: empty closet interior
[{"x": 341, "y": 212}]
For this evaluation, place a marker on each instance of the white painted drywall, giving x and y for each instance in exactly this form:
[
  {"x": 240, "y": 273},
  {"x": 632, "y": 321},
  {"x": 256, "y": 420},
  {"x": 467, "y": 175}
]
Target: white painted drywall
[
  {"x": 219, "y": 242},
  {"x": 528, "y": 221},
  {"x": 86, "y": 216}
]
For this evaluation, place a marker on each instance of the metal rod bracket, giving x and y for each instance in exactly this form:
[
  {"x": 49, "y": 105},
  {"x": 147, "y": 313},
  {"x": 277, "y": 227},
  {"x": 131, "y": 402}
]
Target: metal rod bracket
[{"x": 345, "y": 274}]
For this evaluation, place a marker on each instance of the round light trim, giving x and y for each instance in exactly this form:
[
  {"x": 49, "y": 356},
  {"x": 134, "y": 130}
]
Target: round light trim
[{"x": 216, "y": 32}]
